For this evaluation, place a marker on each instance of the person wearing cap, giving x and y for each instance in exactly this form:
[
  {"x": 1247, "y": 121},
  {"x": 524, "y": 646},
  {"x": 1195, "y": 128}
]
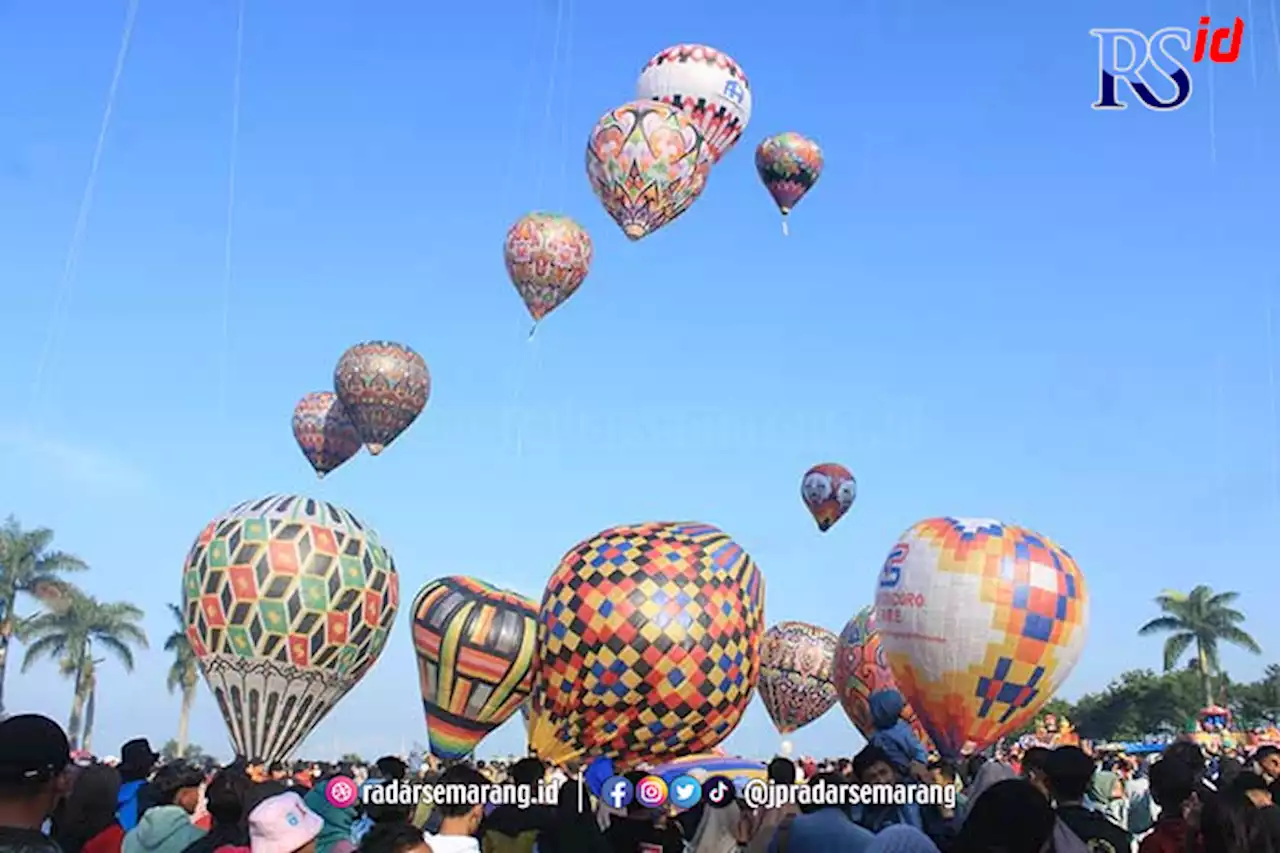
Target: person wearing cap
[
  {"x": 34, "y": 754},
  {"x": 137, "y": 760},
  {"x": 166, "y": 827},
  {"x": 283, "y": 824}
]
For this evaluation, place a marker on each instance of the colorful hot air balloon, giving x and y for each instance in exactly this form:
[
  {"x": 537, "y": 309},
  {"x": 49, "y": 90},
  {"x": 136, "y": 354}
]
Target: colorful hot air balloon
[
  {"x": 707, "y": 86},
  {"x": 980, "y": 622},
  {"x": 288, "y": 602},
  {"x": 795, "y": 674},
  {"x": 384, "y": 386},
  {"x": 648, "y": 642},
  {"x": 325, "y": 432},
  {"x": 828, "y": 490},
  {"x": 860, "y": 670},
  {"x": 548, "y": 257},
  {"x": 645, "y": 163},
  {"x": 475, "y": 648},
  {"x": 788, "y": 165}
]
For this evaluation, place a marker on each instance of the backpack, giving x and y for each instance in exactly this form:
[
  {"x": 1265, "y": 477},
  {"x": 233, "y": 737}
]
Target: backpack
[{"x": 127, "y": 804}]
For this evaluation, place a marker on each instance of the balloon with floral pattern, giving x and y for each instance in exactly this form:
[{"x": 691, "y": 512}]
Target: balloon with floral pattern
[
  {"x": 548, "y": 257},
  {"x": 789, "y": 165},
  {"x": 325, "y": 432},
  {"x": 861, "y": 669}
]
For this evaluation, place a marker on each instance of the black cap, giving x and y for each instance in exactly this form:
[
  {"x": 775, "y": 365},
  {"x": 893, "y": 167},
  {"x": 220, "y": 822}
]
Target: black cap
[
  {"x": 32, "y": 748},
  {"x": 137, "y": 754}
]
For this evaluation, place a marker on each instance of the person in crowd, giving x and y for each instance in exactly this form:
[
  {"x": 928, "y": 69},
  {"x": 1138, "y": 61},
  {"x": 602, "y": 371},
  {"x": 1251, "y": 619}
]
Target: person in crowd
[
  {"x": 972, "y": 764},
  {"x": 283, "y": 824},
  {"x": 902, "y": 839},
  {"x": 1033, "y": 762},
  {"x": 394, "y": 838},
  {"x": 761, "y": 824},
  {"x": 166, "y": 827},
  {"x": 137, "y": 762},
  {"x": 1070, "y": 772},
  {"x": 1229, "y": 822},
  {"x": 988, "y": 775},
  {"x": 1190, "y": 753},
  {"x": 873, "y": 766},
  {"x": 87, "y": 822},
  {"x": 1254, "y": 787},
  {"x": 1266, "y": 759},
  {"x": 34, "y": 756},
  {"x": 1010, "y": 816},
  {"x": 946, "y": 773},
  {"x": 574, "y": 829},
  {"x": 1172, "y": 786},
  {"x": 819, "y": 829},
  {"x": 336, "y": 836},
  {"x": 641, "y": 830},
  {"x": 895, "y": 737},
  {"x": 225, "y": 797},
  {"x": 510, "y": 828},
  {"x": 458, "y": 823},
  {"x": 1106, "y": 794}
]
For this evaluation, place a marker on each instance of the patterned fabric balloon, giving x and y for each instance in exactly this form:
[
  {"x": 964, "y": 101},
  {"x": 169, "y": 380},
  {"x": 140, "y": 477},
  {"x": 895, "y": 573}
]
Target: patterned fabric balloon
[
  {"x": 707, "y": 86},
  {"x": 648, "y": 642},
  {"x": 980, "y": 622},
  {"x": 384, "y": 386},
  {"x": 548, "y": 257},
  {"x": 324, "y": 431},
  {"x": 828, "y": 490},
  {"x": 288, "y": 602},
  {"x": 795, "y": 674},
  {"x": 475, "y": 645},
  {"x": 789, "y": 165},
  {"x": 645, "y": 163},
  {"x": 861, "y": 669}
]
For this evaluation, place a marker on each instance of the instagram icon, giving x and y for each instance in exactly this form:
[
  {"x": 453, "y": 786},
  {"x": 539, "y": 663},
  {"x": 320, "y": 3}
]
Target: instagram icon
[{"x": 651, "y": 792}]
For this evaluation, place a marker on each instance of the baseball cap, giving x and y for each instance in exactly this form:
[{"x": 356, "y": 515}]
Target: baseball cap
[
  {"x": 32, "y": 747},
  {"x": 282, "y": 824}
]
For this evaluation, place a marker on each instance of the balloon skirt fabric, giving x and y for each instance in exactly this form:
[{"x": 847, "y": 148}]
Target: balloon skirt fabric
[
  {"x": 795, "y": 674},
  {"x": 860, "y": 670}
]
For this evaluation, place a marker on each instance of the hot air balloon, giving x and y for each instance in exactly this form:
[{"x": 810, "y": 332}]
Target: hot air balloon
[
  {"x": 288, "y": 602},
  {"x": 325, "y": 432},
  {"x": 828, "y": 490},
  {"x": 645, "y": 163},
  {"x": 474, "y": 645},
  {"x": 860, "y": 670},
  {"x": 795, "y": 674},
  {"x": 548, "y": 257},
  {"x": 707, "y": 86},
  {"x": 384, "y": 386},
  {"x": 788, "y": 165},
  {"x": 980, "y": 622},
  {"x": 648, "y": 642}
]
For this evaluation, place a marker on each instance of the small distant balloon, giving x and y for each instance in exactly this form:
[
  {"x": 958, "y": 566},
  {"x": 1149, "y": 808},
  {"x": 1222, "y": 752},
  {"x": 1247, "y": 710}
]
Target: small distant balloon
[
  {"x": 548, "y": 257},
  {"x": 828, "y": 490},
  {"x": 324, "y": 430},
  {"x": 789, "y": 165},
  {"x": 384, "y": 386}
]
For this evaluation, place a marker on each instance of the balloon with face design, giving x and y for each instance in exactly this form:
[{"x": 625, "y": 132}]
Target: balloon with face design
[{"x": 828, "y": 490}]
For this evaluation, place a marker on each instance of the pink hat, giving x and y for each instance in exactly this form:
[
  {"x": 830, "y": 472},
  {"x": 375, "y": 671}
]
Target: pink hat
[{"x": 282, "y": 824}]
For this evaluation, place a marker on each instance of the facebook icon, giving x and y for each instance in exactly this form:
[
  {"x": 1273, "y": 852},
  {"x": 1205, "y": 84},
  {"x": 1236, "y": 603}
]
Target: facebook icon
[{"x": 617, "y": 792}]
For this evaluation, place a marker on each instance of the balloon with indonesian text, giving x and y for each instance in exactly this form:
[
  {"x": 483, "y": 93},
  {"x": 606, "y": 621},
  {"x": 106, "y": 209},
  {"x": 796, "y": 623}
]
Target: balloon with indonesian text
[
  {"x": 648, "y": 644},
  {"x": 795, "y": 674},
  {"x": 707, "y": 86},
  {"x": 475, "y": 649},
  {"x": 828, "y": 490},
  {"x": 861, "y": 669},
  {"x": 548, "y": 257},
  {"x": 789, "y": 165},
  {"x": 981, "y": 622},
  {"x": 384, "y": 386},
  {"x": 287, "y": 603},
  {"x": 325, "y": 432},
  {"x": 646, "y": 164}
]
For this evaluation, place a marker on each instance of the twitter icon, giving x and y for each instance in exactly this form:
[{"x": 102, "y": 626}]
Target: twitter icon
[{"x": 686, "y": 792}]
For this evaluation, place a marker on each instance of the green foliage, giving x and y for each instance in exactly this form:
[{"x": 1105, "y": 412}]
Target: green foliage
[
  {"x": 351, "y": 758},
  {"x": 193, "y": 753}
]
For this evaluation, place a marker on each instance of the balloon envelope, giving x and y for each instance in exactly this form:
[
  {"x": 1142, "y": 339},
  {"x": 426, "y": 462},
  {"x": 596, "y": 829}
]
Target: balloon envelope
[
  {"x": 980, "y": 622},
  {"x": 704, "y": 84},
  {"x": 828, "y": 490},
  {"x": 325, "y": 432},
  {"x": 288, "y": 602},
  {"x": 795, "y": 674},
  {"x": 861, "y": 669},
  {"x": 648, "y": 641},
  {"x": 475, "y": 649},
  {"x": 384, "y": 386},
  {"x": 789, "y": 165},
  {"x": 548, "y": 257}
]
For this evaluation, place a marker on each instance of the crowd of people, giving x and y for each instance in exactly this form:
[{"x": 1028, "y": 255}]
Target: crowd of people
[{"x": 1041, "y": 800}]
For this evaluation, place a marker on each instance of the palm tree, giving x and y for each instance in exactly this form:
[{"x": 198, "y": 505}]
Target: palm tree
[
  {"x": 1204, "y": 619},
  {"x": 183, "y": 673},
  {"x": 28, "y": 567},
  {"x": 71, "y": 634}
]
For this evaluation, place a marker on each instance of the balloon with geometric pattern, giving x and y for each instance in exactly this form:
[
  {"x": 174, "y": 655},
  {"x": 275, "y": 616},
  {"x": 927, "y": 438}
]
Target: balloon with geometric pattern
[
  {"x": 981, "y": 622},
  {"x": 648, "y": 644},
  {"x": 789, "y": 165},
  {"x": 828, "y": 490},
  {"x": 548, "y": 257},
  {"x": 795, "y": 674},
  {"x": 325, "y": 432},
  {"x": 707, "y": 86},
  {"x": 384, "y": 386},
  {"x": 288, "y": 602},
  {"x": 475, "y": 649},
  {"x": 861, "y": 669}
]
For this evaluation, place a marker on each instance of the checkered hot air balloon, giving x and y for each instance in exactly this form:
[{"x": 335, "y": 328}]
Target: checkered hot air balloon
[
  {"x": 648, "y": 641},
  {"x": 475, "y": 649},
  {"x": 861, "y": 669},
  {"x": 795, "y": 674},
  {"x": 288, "y": 602},
  {"x": 980, "y": 622}
]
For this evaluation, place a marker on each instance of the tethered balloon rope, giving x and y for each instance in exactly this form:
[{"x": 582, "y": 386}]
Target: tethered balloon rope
[
  {"x": 548, "y": 106},
  {"x": 1213, "y": 106},
  {"x": 565, "y": 155},
  {"x": 1275, "y": 32},
  {"x": 1271, "y": 397},
  {"x": 1253, "y": 42},
  {"x": 228, "y": 241},
  {"x": 75, "y": 247}
]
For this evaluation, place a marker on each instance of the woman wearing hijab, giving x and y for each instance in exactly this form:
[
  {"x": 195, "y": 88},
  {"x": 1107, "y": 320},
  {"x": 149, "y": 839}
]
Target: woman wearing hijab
[
  {"x": 335, "y": 837},
  {"x": 574, "y": 830},
  {"x": 87, "y": 823},
  {"x": 989, "y": 773},
  {"x": 901, "y": 838}
]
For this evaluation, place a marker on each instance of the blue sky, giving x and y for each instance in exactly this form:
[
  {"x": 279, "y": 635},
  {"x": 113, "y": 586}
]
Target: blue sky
[{"x": 995, "y": 302}]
